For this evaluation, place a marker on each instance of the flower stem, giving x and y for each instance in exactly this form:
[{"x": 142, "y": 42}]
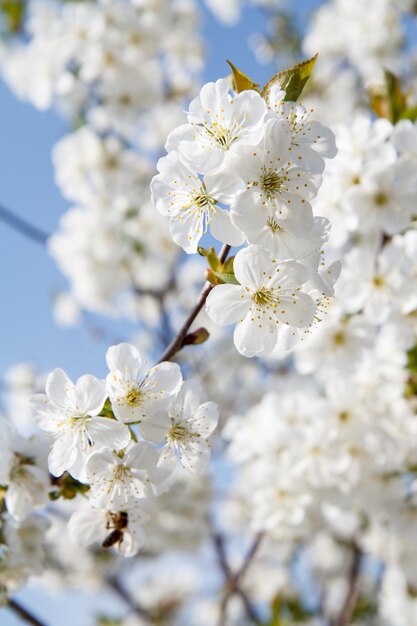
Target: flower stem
[{"x": 178, "y": 342}]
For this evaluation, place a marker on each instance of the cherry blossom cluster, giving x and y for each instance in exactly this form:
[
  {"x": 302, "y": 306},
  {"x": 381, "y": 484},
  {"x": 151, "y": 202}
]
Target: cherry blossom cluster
[
  {"x": 356, "y": 48},
  {"x": 245, "y": 168},
  {"x": 132, "y": 251},
  {"x": 123, "y": 437},
  {"x": 327, "y": 455},
  {"x": 111, "y": 61},
  {"x": 24, "y": 485},
  {"x": 121, "y": 72}
]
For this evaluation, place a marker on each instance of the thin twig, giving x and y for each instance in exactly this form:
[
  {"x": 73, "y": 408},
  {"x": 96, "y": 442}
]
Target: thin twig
[
  {"x": 233, "y": 579},
  {"x": 249, "y": 556},
  {"x": 346, "y": 612},
  {"x": 26, "y": 615},
  {"x": 23, "y": 227},
  {"x": 135, "y": 607},
  {"x": 177, "y": 343}
]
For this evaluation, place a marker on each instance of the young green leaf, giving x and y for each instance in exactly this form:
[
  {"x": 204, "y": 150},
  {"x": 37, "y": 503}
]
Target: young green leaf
[
  {"x": 227, "y": 277},
  {"x": 212, "y": 258},
  {"x": 292, "y": 81},
  {"x": 241, "y": 82}
]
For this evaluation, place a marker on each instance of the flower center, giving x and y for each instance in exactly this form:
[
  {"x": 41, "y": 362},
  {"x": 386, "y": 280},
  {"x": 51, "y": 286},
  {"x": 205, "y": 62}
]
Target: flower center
[
  {"x": 339, "y": 338},
  {"x": 344, "y": 416},
  {"x": 134, "y": 397},
  {"x": 223, "y": 136},
  {"x": 271, "y": 183},
  {"x": 378, "y": 281},
  {"x": 202, "y": 201},
  {"x": 265, "y": 296},
  {"x": 273, "y": 225},
  {"x": 178, "y": 432},
  {"x": 120, "y": 472},
  {"x": 381, "y": 199}
]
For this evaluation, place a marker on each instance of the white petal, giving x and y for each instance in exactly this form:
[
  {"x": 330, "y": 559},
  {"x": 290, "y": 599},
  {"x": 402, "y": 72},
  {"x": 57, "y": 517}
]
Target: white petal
[
  {"x": 62, "y": 455},
  {"x": 188, "y": 399},
  {"x": 296, "y": 310},
  {"x": 223, "y": 185},
  {"x": 155, "y": 428},
  {"x": 142, "y": 456},
  {"x": 91, "y": 394},
  {"x": 87, "y": 527},
  {"x": 108, "y": 433},
  {"x": 61, "y": 389},
  {"x": 255, "y": 337},
  {"x": 124, "y": 358},
  {"x": 227, "y": 303},
  {"x": 252, "y": 265},
  {"x": 223, "y": 230},
  {"x": 46, "y": 414},
  {"x": 205, "y": 419},
  {"x": 187, "y": 230}
]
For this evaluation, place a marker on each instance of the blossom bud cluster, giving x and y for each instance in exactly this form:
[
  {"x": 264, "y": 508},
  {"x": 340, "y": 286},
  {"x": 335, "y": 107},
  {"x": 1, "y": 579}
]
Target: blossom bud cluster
[{"x": 246, "y": 168}]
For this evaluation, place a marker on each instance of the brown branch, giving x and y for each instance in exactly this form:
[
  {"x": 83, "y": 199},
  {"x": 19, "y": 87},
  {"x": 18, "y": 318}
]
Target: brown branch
[
  {"x": 249, "y": 556},
  {"x": 133, "y": 605},
  {"x": 24, "y": 613},
  {"x": 22, "y": 226},
  {"x": 233, "y": 579},
  {"x": 346, "y": 612},
  {"x": 178, "y": 342}
]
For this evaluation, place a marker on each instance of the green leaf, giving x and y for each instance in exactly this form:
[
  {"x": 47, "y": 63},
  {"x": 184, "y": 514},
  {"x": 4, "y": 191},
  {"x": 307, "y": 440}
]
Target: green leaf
[
  {"x": 228, "y": 267},
  {"x": 412, "y": 359},
  {"x": 13, "y": 12},
  {"x": 228, "y": 278},
  {"x": 390, "y": 102},
  {"x": 212, "y": 258},
  {"x": 219, "y": 272},
  {"x": 409, "y": 114},
  {"x": 241, "y": 82},
  {"x": 67, "y": 487},
  {"x": 104, "y": 620},
  {"x": 292, "y": 80}
]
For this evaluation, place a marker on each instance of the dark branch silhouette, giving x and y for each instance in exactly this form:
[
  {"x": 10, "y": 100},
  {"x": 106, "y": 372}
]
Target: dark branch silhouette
[
  {"x": 26, "y": 615},
  {"x": 23, "y": 227}
]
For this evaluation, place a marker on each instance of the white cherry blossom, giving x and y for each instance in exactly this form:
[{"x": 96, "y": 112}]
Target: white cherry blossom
[
  {"x": 189, "y": 425},
  {"x": 277, "y": 191},
  {"x": 71, "y": 414},
  {"x": 136, "y": 394},
  {"x": 217, "y": 124},
  {"x": 310, "y": 140},
  {"x": 193, "y": 203},
  {"x": 268, "y": 298},
  {"x": 120, "y": 530},
  {"x": 24, "y": 475},
  {"x": 118, "y": 481},
  {"x": 384, "y": 200}
]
